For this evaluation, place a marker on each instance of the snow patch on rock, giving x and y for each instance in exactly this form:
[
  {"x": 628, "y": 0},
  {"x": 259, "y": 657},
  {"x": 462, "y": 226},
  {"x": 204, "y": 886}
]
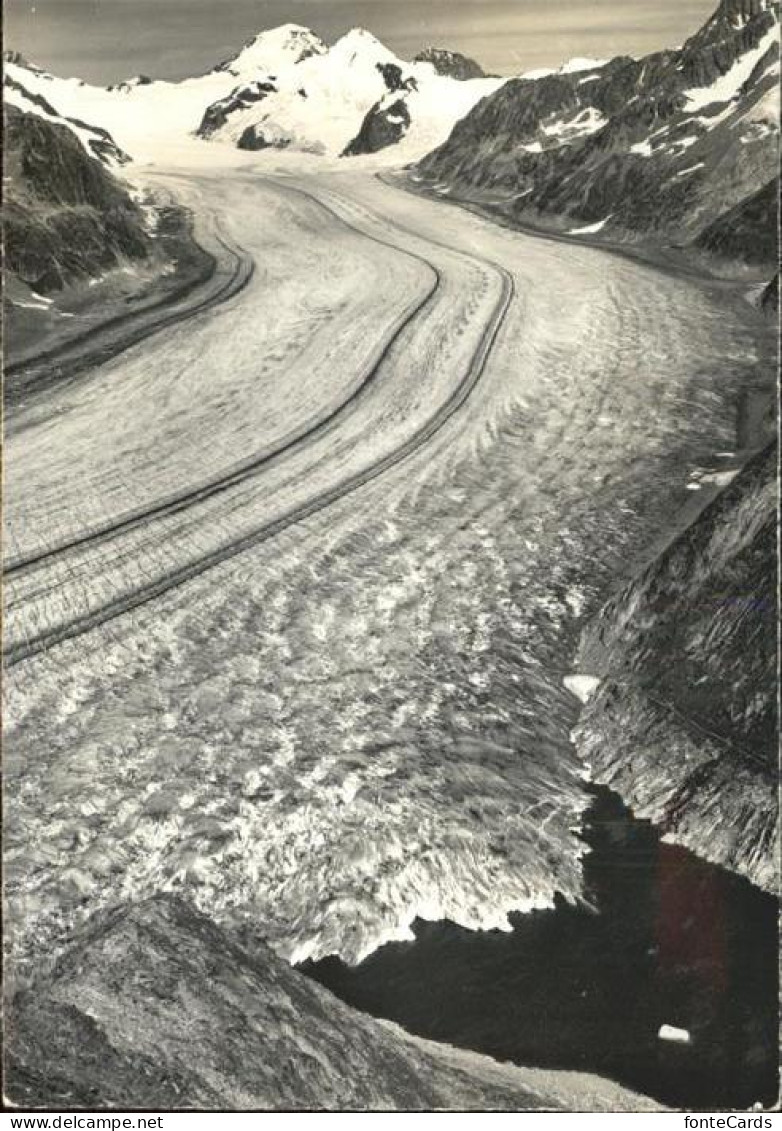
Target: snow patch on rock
[
  {"x": 313, "y": 99},
  {"x": 588, "y": 229},
  {"x": 572, "y": 66},
  {"x": 582, "y": 686}
]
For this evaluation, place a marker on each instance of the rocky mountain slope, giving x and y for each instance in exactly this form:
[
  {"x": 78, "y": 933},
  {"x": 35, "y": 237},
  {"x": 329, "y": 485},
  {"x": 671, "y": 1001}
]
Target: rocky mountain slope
[
  {"x": 66, "y": 217},
  {"x": 96, "y": 141},
  {"x": 451, "y": 63},
  {"x": 662, "y": 145},
  {"x": 684, "y": 721},
  {"x": 156, "y": 1007},
  {"x": 84, "y": 247},
  {"x": 745, "y": 231},
  {"x": 284, "y": 88}
]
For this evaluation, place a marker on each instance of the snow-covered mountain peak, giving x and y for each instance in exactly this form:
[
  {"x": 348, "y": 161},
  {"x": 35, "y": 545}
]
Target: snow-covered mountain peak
[
  {"x": 359, "y": 44},
  {"x": 275, "y": 49},
  {"x": 570, "y": 67}
]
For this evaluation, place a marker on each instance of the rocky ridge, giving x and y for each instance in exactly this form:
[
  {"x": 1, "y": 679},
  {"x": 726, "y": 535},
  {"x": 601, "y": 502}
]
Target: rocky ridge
[
  {"x": 156, "y": 1007},
  {"x": 65, "y": 216},
  {"x": 451, "y": 63},
  {"x": 743, "y": 231},
  {"x": 310, "y": 99},
  {"x": 96, "y": 141},
  {"x": 659, "y": 146}
]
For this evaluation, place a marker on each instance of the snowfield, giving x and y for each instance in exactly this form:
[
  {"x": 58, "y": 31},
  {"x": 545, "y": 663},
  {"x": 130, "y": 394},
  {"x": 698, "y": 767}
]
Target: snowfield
[{"x": 290, "y": 586}]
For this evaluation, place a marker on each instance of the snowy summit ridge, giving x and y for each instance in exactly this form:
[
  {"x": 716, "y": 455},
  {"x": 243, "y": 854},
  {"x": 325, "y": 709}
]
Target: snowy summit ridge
[
  {"x": 284, "y": 88},
  {"x": 279, "y": 47}
]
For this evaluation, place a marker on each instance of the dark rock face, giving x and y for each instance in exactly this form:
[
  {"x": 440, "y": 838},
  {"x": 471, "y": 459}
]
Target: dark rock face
[
  {"x": 392, "y": 75},
  {"x": 139, "y": 80},
  {"x": 253, "y": 138},
  {"x": 66, "y": 217},
  {"x": 661, "y": 145},
  {"x": 18, "y": 59},
  {"x": 100, "y": 142},
  {"x": 394, "y": 78},
  {"x": 451, "y": 63},
  {"x": 769, "y": 300},
  {"x": 747, "y": 231},
  {"x": 156, "y": 1007},
  {"x": 219, "y": 112},
  {"x": 385, "y": 124},
  {"x": 36, "y": 99},
  {"x": 389, "y": 119},
  {"x": 684, "y": 724},
  {"x": 45, "y": 160}
]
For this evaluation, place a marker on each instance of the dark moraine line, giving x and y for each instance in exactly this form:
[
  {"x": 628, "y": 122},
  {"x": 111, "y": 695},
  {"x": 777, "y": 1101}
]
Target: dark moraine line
[
  {"x": 95, "y": 347},
  {"x": 16, "y": 653},
  {"x": 672, "y": 940},
  {"x": 182, "y": 500},
  {"x": 174, "y": 504}
]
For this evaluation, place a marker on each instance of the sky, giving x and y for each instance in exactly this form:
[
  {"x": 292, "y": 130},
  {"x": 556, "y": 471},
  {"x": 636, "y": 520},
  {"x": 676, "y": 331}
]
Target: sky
[{"x": 106, "y": 40}]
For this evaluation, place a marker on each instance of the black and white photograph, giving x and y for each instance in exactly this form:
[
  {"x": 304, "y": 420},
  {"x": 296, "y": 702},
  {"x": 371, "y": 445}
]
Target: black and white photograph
[{"x": 390, "y": 557}]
